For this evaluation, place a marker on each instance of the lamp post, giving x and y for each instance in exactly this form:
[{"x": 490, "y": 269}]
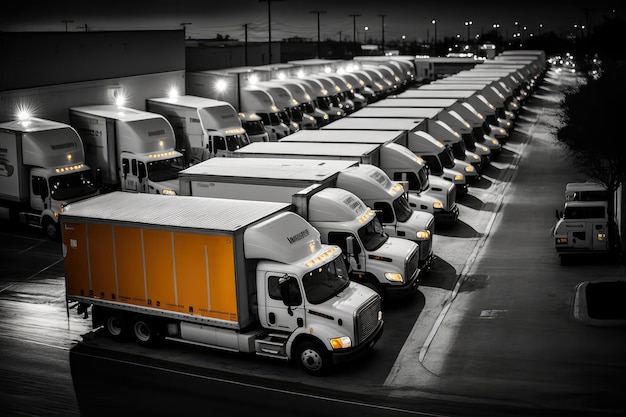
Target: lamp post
[
  {"x": 468, "y": 23},
  {"x": 496, "y": 27},
  {"x": 66, "y": 22},
  {"x": 434, "y": 22},
  {"x": 318, "y": 12}
]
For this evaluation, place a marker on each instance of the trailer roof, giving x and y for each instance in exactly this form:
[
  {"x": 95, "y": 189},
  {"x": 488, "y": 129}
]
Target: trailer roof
[
  {"x": 172, "y": 211},
  {"x": 371, "y": 123},
  {"x": 414, "y": 102},
  {"x": 190, "y": 101},
  {"x": 421, "y": 93},
  {"x": 111, "y": 111},
  {"x": 32, "y": 125},
  {"x": 358, "y": 136},
  {"x": 305, "y": 148},
  {"x": 411, "y": 112},
  {"x": 292, "y": 169}
]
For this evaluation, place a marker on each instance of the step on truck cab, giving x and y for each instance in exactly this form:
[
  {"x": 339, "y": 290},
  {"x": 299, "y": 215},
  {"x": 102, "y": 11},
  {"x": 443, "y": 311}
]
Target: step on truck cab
[
  {"x": 280, "y": 179},
  {"x": 250, "y": 277},
  {"x": 128, "y": 149},
  {"x": 42, "y": 168}
]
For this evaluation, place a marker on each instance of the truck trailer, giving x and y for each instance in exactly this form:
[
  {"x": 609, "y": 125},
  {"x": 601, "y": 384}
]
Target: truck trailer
[
  {"x": 128, "y": 149},
  {"x": 42, "y": 168},
  {"x": 279, "y": 179},
  {"x": 248, "y": 277}
]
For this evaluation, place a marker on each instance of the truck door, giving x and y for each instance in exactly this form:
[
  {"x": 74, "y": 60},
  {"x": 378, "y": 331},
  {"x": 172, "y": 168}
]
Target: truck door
[
  {"x": 281, "y": 316},
  {"x": 129, "y": 173},
  {"x": 581, "y": 237}
]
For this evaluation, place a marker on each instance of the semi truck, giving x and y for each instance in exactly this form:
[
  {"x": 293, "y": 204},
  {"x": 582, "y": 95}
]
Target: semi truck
[
  {"x": 285, "y": 101},
  {"x": 42, "y": 168},
  {"x": 388, "y": 265},
  {"x": 251, "y": 278},
  {"x": 280, "y": 179},
  {"x": 442, "y": 162},
  {"x": 204, "y": 128},
  {"x": 438, "y": 129},
  {"x": 426, "y": 193},
  {"x": 253, "y": 125},
  {"x": 258, "y": 101},
  {"x": 128, "y": 149},
  {"x": 307, "y": 104}
]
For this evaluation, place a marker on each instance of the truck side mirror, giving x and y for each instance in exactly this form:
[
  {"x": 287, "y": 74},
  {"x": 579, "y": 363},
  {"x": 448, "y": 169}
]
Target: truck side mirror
[
  {"x": 289, "y": 292},
  {"x": 350, "y": 245}
]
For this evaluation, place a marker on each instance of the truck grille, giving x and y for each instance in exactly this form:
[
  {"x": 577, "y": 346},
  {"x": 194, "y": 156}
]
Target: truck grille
[
  {"x": 367, "y": 319},
  {"x": 412, "y": 263}
]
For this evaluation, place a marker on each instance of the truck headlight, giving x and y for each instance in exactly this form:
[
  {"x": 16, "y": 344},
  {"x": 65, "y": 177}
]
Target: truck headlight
[
  {"x": 495, "y": 142},
  {"x": 601, "y": 236},
  {"x": 168, "y": 192},
  {"x": 423, "y": 234},
  {"x": 343, "y": 342},
  {"x": 469, "y": 168},
  {"x": 561, "y": 241},
  {"x": 438, "y": 205},
  {"x": 459, "y": 177},
  {"x": 394, "y": 277}
]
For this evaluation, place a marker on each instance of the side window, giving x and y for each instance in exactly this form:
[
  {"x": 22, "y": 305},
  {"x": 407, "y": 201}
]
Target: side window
[
  {"x": 273, "y": 289},
  {"x": 133, "y": 167},
  {"x": 339, "y": 239},
  {"x": 220, "y": 143},
  {"x": 35, "y": 185},
  {"x": 384, "y": 212},
  {"x": 407, "y": 176}
]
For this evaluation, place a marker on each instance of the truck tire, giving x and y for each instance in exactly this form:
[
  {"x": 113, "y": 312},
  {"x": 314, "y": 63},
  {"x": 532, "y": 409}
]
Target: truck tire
[
  {"x": 52, "y": 229},
  {"x": 144, "y": 330},
  {"x": 115, "y": 326},
  {"x": 313, "y": 358}
]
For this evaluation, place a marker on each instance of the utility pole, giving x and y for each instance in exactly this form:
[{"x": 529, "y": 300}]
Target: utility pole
[
  {"x": 354, "y": 16},
  {"x": 318, "y": 12},
  {"x": 245, "y": 29},
  {"x": 66, "y": 22},
  {"x": 269, "y": 26},
  {"x": 383, "y": 19},
  {"x": 184, "y": 25}
]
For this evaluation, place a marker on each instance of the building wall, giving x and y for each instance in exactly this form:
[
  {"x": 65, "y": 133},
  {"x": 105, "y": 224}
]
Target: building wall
[{"x": 41, "y": 59}]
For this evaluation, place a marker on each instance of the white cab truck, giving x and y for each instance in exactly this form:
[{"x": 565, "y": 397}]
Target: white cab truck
[
  {"x": 279, "y": 179},
  {"x": 438, "y": 129},
  {"x": 128, "y": 149},
  {"x": 388, "y": 265},
  {"x": 441, "y": 162},
  {"x": 336, "y": 94},
  {"x": 42, "y": 168},
  {"x": 426, "y": 193},
  {"x": 204, "y": 128},
  {"x": 253, "y": 278},
  {"x": 585, "y": 191},
  {"x": 258, "y": 101},
  {"x": 253, "y": 125},
  {"x": 321, "y": 96},
  {"x": 285, "y": 100},
  {"x": 347, "y": 89},
  {"x": 307, "y": 104},
  {"x": 581, "y": 229}
]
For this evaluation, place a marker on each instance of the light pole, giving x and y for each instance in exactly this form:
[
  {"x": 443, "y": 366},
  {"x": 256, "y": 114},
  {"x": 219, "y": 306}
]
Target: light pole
[
  {"x": 66, "y": 22},
  {"x": 434, "y": 22},
  {"x": 383, "y": 25},
  {"x": 496, "y": 26},
  {"x": 366, "y": 28},
  {"x": 468, "y": 23},
  {"x": 318, "y": 12},
  {"x": 354, "y": 16}
]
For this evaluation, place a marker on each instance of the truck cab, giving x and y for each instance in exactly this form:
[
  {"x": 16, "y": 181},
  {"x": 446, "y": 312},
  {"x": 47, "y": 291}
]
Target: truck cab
[
  {"x": 256, "y": 100},
  {"x": 581, "y": 229}
]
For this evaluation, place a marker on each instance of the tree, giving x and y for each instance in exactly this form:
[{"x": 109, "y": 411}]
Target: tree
[{"x": 593, "y": 134}]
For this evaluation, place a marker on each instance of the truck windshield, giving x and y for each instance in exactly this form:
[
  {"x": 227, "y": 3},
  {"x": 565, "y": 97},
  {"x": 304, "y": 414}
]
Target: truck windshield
[
  {"x": 296, "y": 114},
  {"x": 446, "y": 158},
  {"x": 254, "y": 127},
  {"x": 373, "y": 235},
  {"x": 434, "y": 164},
  {"x": 165, "y": 169},
  {"x": 458, "y": 150},
  {"x": 326, "y": 281},
  {"x": 235, "y": 142},
  {"x": 402, "y": 208},
  {"x": 72, "y": 185},
  {"x": 308, "y": 107}
]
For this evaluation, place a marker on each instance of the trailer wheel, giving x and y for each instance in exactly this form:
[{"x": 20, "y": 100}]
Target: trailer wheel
[
  {"x": 52, "y": 229},
  {"x": 115, "y": 326},
  {"x": 313, "y": 358},
  {"x": 144, "y": 330}
]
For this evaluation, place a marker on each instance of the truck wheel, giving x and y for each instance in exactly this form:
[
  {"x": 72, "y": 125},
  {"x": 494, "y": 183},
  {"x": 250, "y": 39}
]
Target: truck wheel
[
  {"x": 144, "y": 330},
  {"x": 52, "y": 230},
  {"x": 115, "y": 326},
  {"x": 313, "y": 358}
]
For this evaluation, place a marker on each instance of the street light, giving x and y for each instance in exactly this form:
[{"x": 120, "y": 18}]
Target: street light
[
  {"x": 468, "y": 23},
  {"x": 434, "y": 22},
  {"x": 496, "y": 26}
]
